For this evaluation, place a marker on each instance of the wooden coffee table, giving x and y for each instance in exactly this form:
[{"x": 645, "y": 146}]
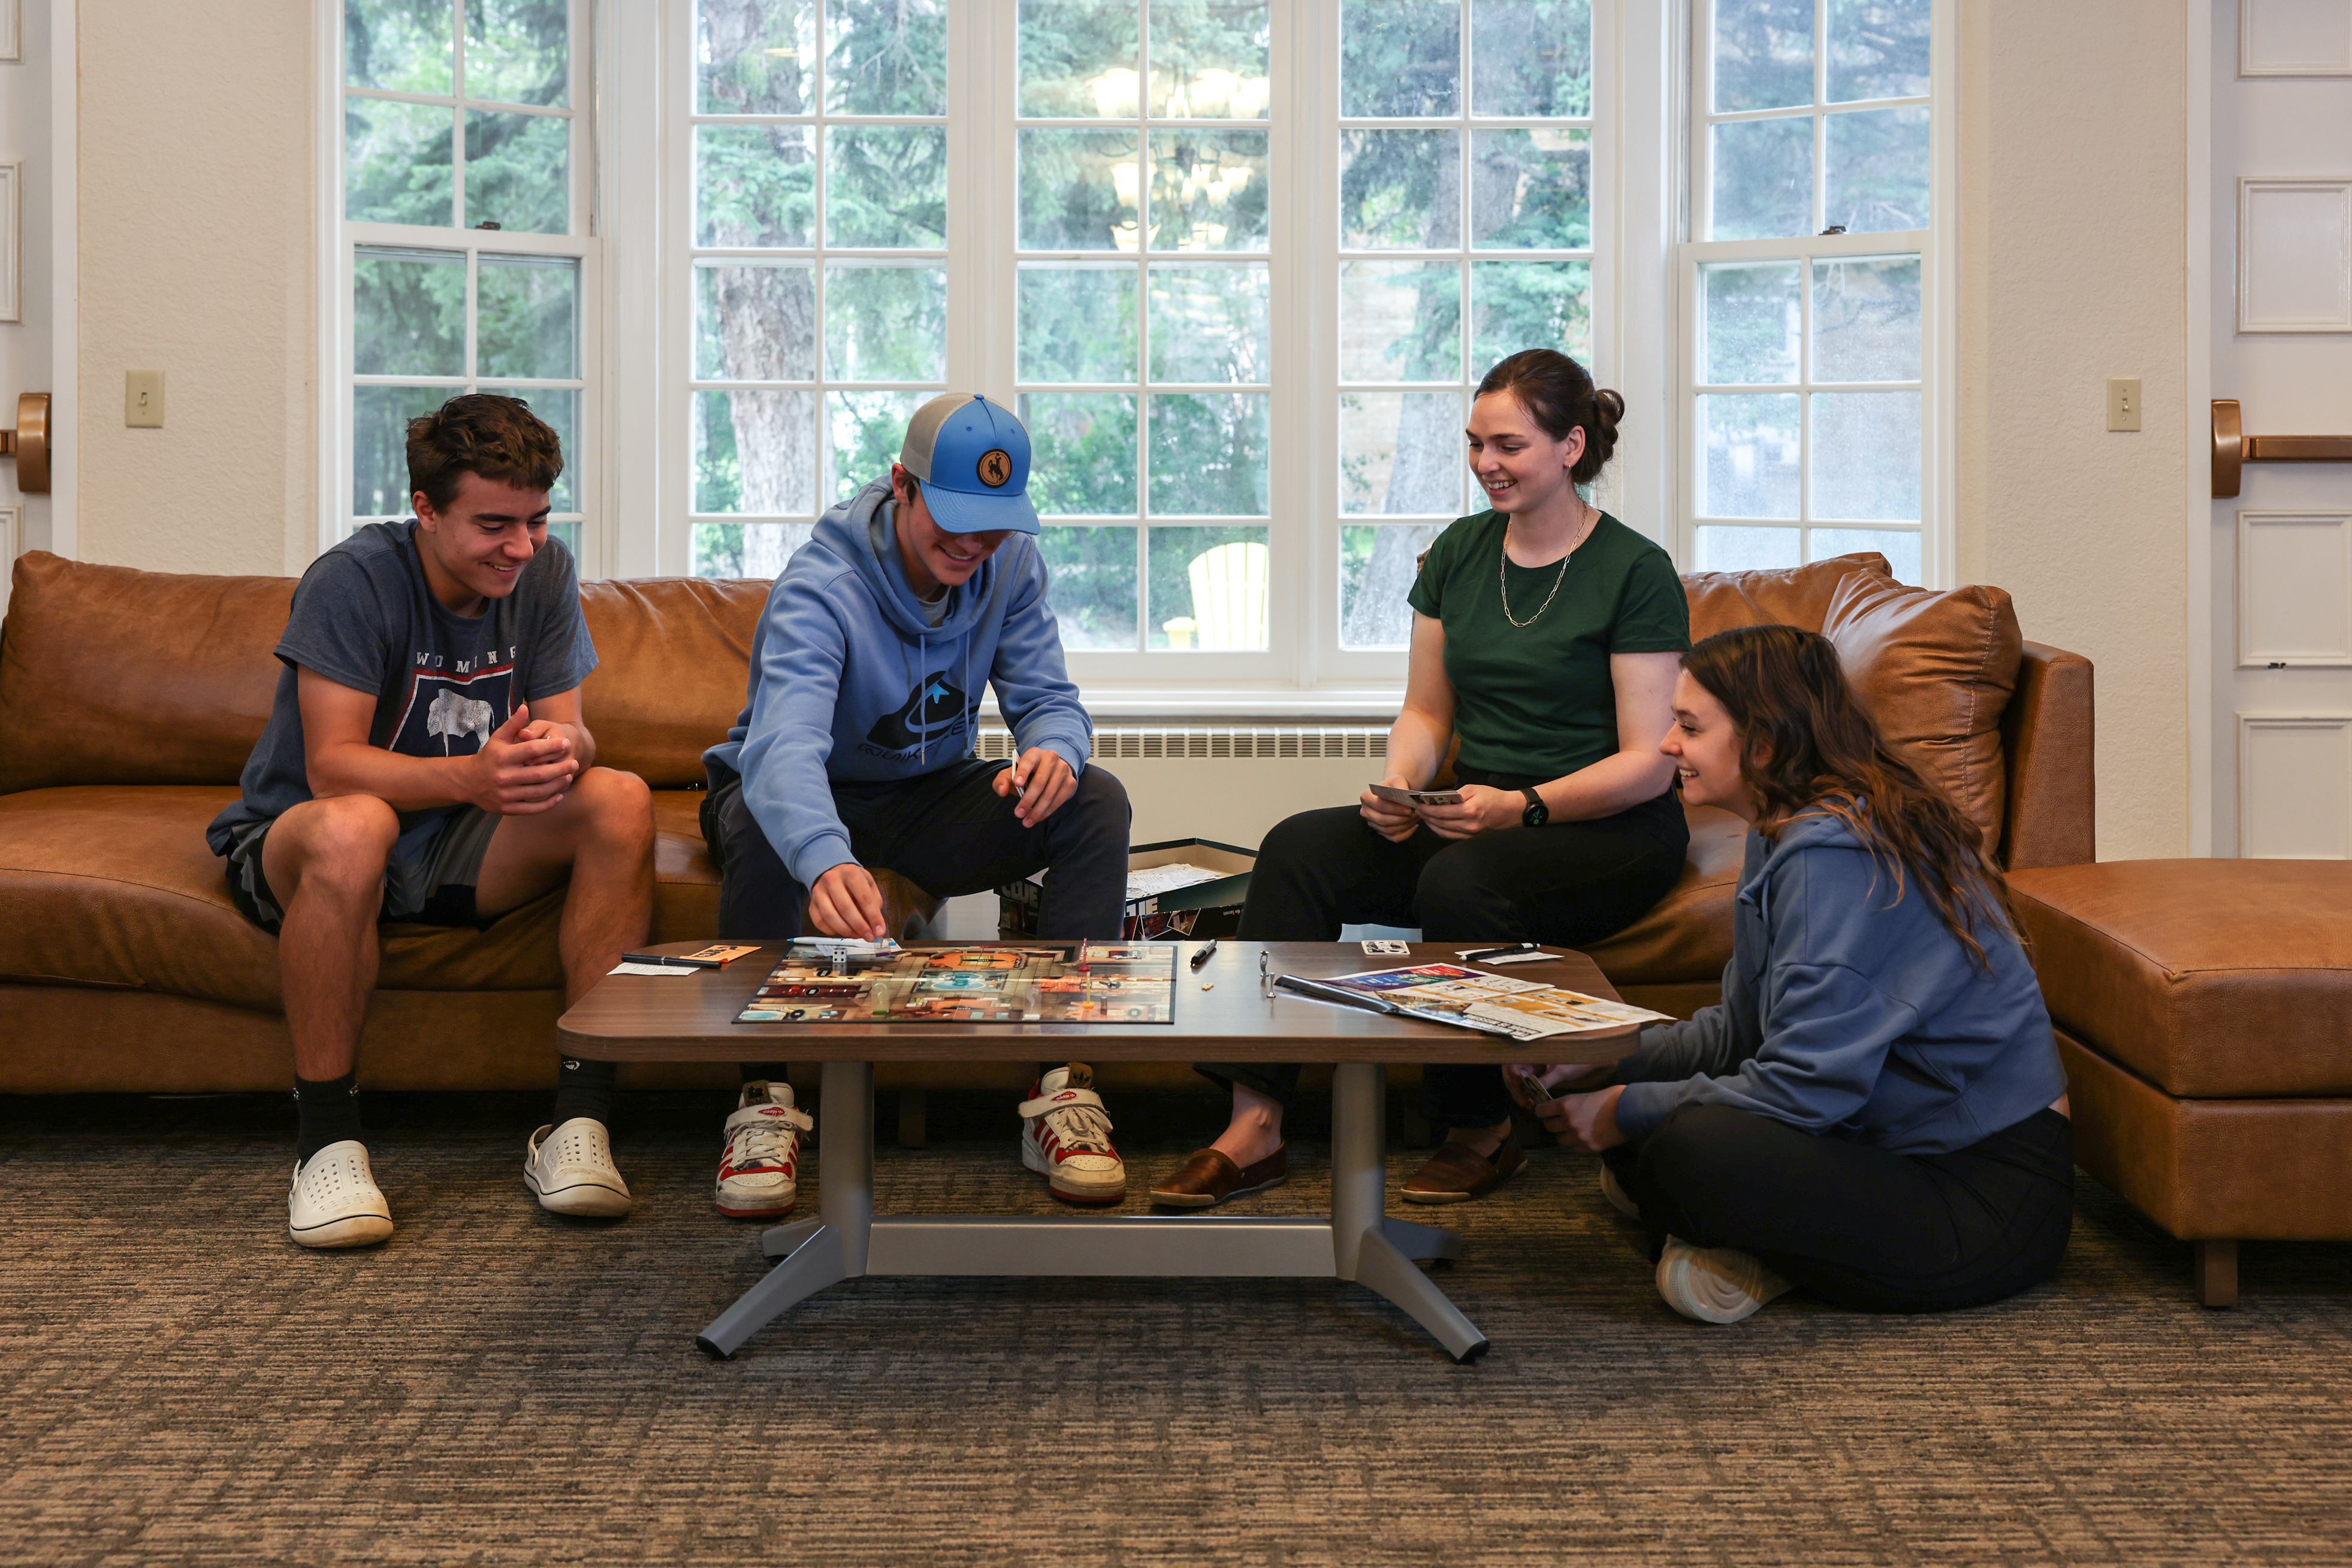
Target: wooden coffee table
[{"x": 1224, "y": 1012}]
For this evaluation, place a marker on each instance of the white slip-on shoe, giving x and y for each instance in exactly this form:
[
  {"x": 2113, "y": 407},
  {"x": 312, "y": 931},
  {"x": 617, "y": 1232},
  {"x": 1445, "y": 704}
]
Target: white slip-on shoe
[
  {"x": 759, "y": 1169},
  {"x": 1716, "y": 1284},
  {"x": 569, "y": 1170},
  {"x": 335, "y": 1201},
  {"x": 1619, "y": 1199},
  {"x": 1065, "y": 1138}
]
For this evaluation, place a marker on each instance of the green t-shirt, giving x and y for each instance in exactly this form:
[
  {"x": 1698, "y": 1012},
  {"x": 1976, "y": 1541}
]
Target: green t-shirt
[{"x": 1536, "y": 700}]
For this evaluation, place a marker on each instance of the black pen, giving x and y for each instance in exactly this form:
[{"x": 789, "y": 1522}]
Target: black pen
[
  {"x": 666, "y": 962},
  {"x": 1485, "y": 952},
  {"x": 1201, "y": 956}
]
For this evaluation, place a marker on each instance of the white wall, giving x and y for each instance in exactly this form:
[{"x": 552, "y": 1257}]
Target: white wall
[
  {"x": 2073, "y": 243},
  {"x": 196, "y": 150}
]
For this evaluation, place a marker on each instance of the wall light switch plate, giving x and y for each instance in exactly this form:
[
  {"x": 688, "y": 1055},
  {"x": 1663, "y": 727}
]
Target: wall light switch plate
[
  {"x": 2123, "y": 402},
  {"x": 142, "y": 399}
]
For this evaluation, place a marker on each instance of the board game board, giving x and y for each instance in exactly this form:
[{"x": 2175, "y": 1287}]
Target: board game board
[{"x": 1038, "y": 982}]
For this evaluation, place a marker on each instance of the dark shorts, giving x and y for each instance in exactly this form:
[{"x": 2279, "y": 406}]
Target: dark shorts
[{"x": 428, "y": 879}]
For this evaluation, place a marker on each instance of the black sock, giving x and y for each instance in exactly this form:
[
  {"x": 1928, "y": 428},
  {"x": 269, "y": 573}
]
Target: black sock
[
  {"x": 586, "y": 1089},
  {"x": 772, "y": 1071},
  {"x": 326, "y": 1111}
]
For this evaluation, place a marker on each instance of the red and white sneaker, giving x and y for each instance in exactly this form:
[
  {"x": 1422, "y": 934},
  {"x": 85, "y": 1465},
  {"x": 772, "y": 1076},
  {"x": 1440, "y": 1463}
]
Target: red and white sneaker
[
  {"x": 1065, "y": 1138},
  {"x": 759, "y": 1169}
]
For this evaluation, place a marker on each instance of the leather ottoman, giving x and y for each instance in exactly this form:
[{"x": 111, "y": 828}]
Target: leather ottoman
[{"x": 2204, "y": 1011}]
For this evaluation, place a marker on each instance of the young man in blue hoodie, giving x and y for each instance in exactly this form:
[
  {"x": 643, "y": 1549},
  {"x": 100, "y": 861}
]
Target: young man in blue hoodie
[{"x": 856, "y": 751}]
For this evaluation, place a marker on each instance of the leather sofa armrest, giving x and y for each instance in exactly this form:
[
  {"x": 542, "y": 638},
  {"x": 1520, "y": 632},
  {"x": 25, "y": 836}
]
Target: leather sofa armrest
[{"x": 2046, "y": 737}]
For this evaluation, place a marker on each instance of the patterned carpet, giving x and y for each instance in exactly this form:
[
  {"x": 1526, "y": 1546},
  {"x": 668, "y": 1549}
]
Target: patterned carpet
[{"x": 496, "y": 1385}]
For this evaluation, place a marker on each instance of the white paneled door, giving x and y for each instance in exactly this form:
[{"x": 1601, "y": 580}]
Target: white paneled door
[
  {"x": 2282, "y": 346},
  {"x": 27, "y": 180}
]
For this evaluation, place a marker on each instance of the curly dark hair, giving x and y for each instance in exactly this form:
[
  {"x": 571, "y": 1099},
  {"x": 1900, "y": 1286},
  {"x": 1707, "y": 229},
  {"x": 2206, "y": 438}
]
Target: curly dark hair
[
  {"x": 1559, "y": 396},
  {"x": 1808, "y": 748},
  {"x": 481, "y": 432}
]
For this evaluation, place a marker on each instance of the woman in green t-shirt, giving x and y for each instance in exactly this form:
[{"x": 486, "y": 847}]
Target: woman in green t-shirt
[{"x": 1545, "y": 636}]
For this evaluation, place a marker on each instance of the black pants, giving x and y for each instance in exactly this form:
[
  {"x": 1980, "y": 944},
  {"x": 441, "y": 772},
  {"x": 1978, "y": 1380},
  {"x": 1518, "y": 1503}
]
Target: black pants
[
  {"x": 946, "y": 832},
  {"x": 1859, "y": 1227},
  {"x": 1566, "y": 884}
]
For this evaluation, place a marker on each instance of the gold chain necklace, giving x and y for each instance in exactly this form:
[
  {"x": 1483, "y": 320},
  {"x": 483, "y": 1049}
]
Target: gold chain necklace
[{"x": 1503, "y": 575}]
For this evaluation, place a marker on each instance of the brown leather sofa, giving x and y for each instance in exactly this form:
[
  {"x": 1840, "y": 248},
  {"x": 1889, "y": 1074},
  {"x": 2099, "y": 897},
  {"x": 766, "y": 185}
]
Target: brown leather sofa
[{"x": 129, "y": 700}]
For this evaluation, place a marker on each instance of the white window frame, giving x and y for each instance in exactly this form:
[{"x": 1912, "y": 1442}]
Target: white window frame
[
  {"x": 1601, "y": 152},
  {"x": 1148, "y": 668},
  {"x": 1935, "y": 245},
  {"x": 679, "y": 252},
  {"x": 341, "y": 239}
]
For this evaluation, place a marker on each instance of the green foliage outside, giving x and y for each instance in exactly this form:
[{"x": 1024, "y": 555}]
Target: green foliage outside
[{"x": 1082, "y": 453}]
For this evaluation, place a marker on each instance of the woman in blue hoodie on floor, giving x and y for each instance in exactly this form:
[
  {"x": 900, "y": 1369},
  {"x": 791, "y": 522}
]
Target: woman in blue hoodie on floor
[{"x": 1875, "y": 1112}]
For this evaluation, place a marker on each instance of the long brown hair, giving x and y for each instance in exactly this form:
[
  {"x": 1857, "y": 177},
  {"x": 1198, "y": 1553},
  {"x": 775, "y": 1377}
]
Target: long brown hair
[{"x": 1807, "y": 748}]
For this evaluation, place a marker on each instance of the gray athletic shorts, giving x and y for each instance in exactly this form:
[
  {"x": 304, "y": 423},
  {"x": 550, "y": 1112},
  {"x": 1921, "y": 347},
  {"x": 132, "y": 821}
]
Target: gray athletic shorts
[{"x": 429, "y": 879}]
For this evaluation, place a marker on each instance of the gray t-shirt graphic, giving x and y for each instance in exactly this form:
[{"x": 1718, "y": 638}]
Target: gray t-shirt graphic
[{"x": 364, "y": 617}]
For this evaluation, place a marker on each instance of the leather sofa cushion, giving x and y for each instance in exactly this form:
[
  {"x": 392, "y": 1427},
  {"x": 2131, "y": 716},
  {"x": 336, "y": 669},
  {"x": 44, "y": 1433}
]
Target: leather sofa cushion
[
  {"x": 673, "y": 655},
  {"x": 1788, "y": 596},
  {"x": 134, "y": 677},
  {"x": 95, "y": 653},
  {"x": 1935, "y": 670},
  {"x": 1687, "y": 936},
  {"x": 107, "y": 885},
  {"x": 2210, "y": 978}
]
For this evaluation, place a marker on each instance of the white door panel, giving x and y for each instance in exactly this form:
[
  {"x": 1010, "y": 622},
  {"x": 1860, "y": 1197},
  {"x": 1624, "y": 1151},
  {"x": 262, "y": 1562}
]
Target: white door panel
[
  {"x": 2295, "y": 785},
  {"x": 26, "y": 341},
  {"x": 2281, "y": 345},
  {"x": 2295, "y": 256},
  {"x": 2295, "y": 37},
  {"x": 2295, "y": 589}
]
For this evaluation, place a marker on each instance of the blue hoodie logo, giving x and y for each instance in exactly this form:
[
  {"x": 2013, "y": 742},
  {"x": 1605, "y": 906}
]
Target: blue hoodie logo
[{"x": 934, "y": 708}]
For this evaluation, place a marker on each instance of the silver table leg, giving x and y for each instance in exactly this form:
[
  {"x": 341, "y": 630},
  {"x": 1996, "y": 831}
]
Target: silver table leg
[
  {"x": 1358, "y": 1242},
  {"x": 1364, "y": 1246},
  {"x": 832, "y": 1247}
]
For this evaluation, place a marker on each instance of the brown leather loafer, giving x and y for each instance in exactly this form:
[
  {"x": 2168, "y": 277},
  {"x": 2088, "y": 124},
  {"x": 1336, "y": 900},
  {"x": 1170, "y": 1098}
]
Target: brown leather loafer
[
  {"x": 1210, "y": 1177},
  {"x": 1458, "y": 1172}
]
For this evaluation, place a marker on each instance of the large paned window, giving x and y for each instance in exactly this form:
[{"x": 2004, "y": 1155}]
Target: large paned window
[
  {"x": 1464, "y": 234},
  {"x": 1143, "y": 325},
  {"x": 1235, "y": 263},
  {"x": 1807, "y": 343},
  {"x": 466, "y": 260},
  {"x": 817, "y": 259}
]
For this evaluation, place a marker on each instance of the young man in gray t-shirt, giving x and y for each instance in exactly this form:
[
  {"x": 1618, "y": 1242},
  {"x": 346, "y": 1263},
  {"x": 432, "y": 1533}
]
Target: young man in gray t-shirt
[{"x": 426, "y": 761}]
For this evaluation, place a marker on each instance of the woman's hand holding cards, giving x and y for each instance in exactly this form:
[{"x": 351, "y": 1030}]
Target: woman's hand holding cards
[
  {"x": 1481, "y": 811},
  {"x": 1393, "y": 821},
  {"x": 1535, "y": 1087}
]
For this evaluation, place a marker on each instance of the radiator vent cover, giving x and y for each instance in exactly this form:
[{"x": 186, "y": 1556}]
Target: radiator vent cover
[{"x": 1273, "y": 741}]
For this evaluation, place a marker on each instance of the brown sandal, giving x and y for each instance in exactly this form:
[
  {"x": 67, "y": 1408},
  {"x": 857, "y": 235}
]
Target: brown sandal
[
  {"x": 1210, "y": 1177},
  {"x": 1459, "y": 1173}
]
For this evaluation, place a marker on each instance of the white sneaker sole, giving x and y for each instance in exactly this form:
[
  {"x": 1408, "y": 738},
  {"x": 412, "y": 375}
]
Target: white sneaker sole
[
  {"x": 1075, "y": 1186},
  {"x": 757, "y": 1206},
  {"x": 352, "y": 1230},
  {"x": 1706, "y": 1294},
  {"x": 585, "y": 1200},
  {"x": 1614, "y": 1191}
]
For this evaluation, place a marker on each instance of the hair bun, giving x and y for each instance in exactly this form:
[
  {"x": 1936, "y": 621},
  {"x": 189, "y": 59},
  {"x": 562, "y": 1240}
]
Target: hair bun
[{"x": 1609, "y": 409}]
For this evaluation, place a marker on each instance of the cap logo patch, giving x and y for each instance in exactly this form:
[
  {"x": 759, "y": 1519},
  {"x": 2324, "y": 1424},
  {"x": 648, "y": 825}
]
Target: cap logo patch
[{"x": 996, "y": 467}]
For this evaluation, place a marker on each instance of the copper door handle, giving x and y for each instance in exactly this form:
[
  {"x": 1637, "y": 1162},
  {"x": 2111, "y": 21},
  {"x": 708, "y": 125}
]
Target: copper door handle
[
  {"x": 29, "y": 444},
  {"x": 2233, "y": 448}
]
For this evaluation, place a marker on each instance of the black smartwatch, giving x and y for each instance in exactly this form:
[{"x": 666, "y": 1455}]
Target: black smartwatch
[{"x": 1538, "y": 813}]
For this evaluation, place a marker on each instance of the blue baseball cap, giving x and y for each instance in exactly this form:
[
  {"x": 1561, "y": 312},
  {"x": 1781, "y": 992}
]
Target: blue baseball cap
[{"x": 972, "y": 457}]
